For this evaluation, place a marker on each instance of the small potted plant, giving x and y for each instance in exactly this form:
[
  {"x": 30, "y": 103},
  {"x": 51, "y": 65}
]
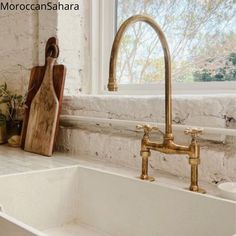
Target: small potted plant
[{"x": 11, "y": 106}]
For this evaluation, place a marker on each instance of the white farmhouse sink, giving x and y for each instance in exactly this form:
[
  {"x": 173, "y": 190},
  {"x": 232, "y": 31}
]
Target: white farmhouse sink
[{"x": 89, "y": 202}]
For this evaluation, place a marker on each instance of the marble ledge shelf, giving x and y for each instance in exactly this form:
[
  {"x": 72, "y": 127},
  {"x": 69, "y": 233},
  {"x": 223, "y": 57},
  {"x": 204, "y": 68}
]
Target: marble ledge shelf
[{"x": 72, "y": 121}]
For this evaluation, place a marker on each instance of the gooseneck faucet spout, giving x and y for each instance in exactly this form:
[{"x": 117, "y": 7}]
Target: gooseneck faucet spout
[
  {"x": 112, "y": 84},
  {"x": 167, "y": 146}
]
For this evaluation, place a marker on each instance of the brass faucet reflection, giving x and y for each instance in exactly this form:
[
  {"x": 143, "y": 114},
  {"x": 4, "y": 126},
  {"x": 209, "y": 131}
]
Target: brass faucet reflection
[{"x": 167, "y": 146}]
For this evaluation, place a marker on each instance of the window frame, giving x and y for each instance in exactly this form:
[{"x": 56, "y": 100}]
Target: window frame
[{"x": 103, "y": 25}]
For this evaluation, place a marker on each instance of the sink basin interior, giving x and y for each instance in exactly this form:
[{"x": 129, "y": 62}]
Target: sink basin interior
[
  {"x": 75, "y": 229},
  {"x": 84, "y": 201},
  {"x": 43, "y": 200}
]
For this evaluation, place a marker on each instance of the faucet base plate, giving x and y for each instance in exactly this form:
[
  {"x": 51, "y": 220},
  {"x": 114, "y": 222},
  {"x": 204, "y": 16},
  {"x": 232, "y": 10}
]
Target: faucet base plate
[
  {"x": 147, "y": 178},
  {"x": 198, "y": 190}
]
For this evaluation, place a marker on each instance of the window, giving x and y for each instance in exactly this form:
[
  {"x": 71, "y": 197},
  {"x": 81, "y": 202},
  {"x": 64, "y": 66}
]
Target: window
[{"x": 201, "y": 35}]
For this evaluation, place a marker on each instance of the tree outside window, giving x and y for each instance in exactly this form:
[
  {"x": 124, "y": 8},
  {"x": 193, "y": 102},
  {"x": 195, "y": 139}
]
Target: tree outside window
[{"x": 201, "y": 35}]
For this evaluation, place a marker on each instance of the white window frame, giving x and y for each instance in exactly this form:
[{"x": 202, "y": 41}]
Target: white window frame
[{"x": 103, "y": 19}]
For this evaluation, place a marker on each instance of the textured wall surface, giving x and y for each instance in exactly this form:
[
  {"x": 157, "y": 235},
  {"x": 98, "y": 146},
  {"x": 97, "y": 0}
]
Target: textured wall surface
[
  {"x": 18, "y": 47},
  {"x": 121, "y": 146},
  {"x": 73, "y": 34},
  {"x": 22, "y": 42}
]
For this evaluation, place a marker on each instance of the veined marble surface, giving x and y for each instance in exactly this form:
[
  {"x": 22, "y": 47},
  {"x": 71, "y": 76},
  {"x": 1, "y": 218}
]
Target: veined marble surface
[{"x": 15, "y": 161}]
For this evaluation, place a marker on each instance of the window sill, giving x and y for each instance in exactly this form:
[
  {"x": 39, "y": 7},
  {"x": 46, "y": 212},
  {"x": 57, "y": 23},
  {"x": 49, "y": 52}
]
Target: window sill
[
  {"x": 197, "y": 88},
  {"x": 120, "y": 96}
]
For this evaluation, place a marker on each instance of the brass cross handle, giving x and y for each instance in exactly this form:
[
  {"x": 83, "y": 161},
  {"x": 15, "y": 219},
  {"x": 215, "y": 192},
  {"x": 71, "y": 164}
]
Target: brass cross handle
[
  {"x": 147, "y": 128},
  {"x": 194, "y": 132}
]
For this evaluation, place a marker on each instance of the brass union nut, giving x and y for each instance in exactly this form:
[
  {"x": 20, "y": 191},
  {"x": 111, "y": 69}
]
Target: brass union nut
[
  {"x": 145, "y": 154},
  {"x": 194, "y": 161}
]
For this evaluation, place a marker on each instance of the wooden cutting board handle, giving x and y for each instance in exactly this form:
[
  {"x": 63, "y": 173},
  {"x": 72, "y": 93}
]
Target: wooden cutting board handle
[
  {"x": 43, "y": 115},
  {"x": 51, "y": 49}
]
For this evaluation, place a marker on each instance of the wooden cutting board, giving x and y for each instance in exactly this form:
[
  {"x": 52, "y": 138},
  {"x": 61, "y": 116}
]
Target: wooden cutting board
[
  {"x": 43, "y": 115},
  {"x": 36, "y": 78}
]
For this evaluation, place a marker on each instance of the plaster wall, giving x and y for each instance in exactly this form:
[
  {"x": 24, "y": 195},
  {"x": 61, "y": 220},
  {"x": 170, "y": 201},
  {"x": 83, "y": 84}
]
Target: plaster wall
[
  {"x": 73, "y": 34},
  {"x": 18, "y": 50},
  {"x": 23, "y": 38}
]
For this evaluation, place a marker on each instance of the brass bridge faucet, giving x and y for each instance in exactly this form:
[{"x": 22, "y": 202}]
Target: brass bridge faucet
[{"x": 167, "y": 146}]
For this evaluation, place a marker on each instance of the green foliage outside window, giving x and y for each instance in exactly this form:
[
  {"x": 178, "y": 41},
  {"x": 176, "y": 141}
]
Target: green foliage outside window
[{"x": 226, "y": 73}]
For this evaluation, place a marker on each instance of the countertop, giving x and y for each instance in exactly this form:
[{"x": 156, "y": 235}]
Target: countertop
[{"x": 16, "y": 161}]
